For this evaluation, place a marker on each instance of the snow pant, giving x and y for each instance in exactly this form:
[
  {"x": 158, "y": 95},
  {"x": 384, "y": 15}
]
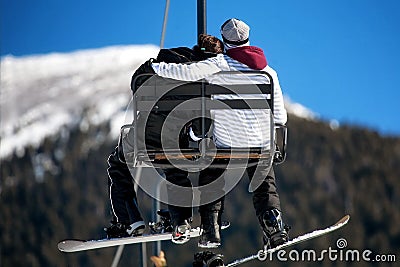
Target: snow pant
[
  {"x": 181, "y": 196},
  {"x": 265, "y": 196},
  {"x": 124, "y": 205}
]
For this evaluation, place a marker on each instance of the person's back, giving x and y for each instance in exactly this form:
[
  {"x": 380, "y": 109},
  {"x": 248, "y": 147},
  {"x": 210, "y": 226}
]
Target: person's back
[
  {"x": 207, "y": 46},
  {"x": 241, "y": 127}
]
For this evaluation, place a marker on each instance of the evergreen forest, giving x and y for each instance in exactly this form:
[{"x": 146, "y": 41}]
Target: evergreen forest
[{"x": 60, "y": 190}]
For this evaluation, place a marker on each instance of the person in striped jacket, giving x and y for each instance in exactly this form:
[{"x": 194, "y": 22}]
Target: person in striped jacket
[{"x": 245, "y": 130}]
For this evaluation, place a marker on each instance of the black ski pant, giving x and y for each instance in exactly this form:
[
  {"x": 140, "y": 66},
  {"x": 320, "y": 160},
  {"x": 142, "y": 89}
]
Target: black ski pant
[
  {"x": 124, "y": 205},
  {"x": 180, "y": 194},
  {"x": 265, "y": 195}
]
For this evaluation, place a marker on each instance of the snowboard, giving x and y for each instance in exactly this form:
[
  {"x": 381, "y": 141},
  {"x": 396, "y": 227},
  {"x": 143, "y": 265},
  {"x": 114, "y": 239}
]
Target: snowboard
[
  {"x": 262, "y": 254},
  {"x": 157, "y": 234},
  {"x": 73, "y": 245}
]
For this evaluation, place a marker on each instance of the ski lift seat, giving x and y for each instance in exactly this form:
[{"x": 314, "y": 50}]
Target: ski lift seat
[{"x": 179, "y": 103}]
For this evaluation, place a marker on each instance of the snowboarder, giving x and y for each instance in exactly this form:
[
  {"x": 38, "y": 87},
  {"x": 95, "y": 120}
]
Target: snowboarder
[
  {"x": 240, "y": 56},
  {"x": 126, "y": 217}
]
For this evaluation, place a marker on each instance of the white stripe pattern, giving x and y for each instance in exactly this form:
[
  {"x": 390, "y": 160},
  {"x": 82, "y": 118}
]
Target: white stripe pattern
[{"x": 233, "y": 128}]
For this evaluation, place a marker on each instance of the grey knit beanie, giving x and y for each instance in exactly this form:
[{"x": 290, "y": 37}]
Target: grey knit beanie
[{"x": 235, "y": 32}]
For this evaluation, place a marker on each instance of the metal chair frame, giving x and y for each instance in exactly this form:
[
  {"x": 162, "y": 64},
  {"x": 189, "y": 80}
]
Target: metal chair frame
[{"x": 150, "y": 97}]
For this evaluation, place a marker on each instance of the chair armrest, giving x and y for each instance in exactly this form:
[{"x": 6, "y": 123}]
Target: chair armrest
[{"x": 280, "y": 143}]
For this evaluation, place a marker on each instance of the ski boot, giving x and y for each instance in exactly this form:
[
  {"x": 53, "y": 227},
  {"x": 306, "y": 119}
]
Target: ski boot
[
  {"x": 118, "y": 230},
  {"x": 275, "y": 233}
]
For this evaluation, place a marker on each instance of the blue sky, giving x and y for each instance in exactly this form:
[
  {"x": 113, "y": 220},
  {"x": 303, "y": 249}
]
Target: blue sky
[{"x": 340, "y": 58}]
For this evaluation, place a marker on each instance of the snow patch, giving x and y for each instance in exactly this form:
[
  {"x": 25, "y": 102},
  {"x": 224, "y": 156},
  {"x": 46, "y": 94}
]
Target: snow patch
[
  {"x": 299, "y": 110},
  {"x": 41, "y": 94}
]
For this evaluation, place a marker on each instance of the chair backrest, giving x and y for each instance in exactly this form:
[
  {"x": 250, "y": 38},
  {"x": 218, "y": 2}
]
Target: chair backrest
[{"x": 163, "y": 107}]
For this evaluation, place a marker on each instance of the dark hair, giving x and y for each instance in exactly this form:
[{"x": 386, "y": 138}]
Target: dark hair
[{"x": 210, "y": 43}]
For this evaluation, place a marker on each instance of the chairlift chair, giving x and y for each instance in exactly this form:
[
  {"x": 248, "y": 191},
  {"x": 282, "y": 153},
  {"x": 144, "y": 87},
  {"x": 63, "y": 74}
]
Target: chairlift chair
[{"x": 183, "y": 101}]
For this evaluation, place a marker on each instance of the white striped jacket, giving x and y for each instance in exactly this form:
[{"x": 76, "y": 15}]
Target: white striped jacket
[{"x": 232, "y": 128}]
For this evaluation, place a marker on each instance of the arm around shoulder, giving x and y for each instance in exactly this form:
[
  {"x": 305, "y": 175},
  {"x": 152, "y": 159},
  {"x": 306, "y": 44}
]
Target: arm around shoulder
[{"x": 187, "y": 72}]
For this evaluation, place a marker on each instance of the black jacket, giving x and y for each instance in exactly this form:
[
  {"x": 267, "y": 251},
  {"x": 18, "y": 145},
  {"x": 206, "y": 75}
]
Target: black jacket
[{"x": 155, "y": 120}]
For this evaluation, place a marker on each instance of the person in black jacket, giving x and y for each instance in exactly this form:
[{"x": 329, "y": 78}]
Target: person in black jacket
[{"x": 126, "y": 218}]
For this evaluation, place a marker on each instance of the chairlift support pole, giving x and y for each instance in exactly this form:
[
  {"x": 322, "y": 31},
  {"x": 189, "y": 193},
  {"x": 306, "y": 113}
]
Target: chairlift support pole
[{"x": 201, "y": 17}]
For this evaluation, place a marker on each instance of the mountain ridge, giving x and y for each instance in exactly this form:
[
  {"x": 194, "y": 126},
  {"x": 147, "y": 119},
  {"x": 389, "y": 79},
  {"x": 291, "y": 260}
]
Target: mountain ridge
[{"x": 60, "y": 86}]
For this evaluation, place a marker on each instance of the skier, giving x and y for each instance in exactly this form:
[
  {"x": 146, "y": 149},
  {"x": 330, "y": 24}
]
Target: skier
[
  {"x": 126, "y": 218},
  {"x": 240, "y": 56}
]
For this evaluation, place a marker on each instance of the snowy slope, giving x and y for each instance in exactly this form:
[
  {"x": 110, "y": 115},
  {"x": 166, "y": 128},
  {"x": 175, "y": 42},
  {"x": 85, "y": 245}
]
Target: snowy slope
[{"x": 41, "y": 94}]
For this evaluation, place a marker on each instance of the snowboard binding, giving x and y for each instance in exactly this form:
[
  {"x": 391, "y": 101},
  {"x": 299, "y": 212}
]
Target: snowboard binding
[
  {"x": 165, "y": 223},
  {"x": 162, "y": 226}
]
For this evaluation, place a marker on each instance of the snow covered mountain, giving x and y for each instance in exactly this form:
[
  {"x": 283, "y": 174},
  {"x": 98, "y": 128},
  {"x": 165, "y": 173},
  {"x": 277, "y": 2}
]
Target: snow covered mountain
[{"x": 42, "y": 94}]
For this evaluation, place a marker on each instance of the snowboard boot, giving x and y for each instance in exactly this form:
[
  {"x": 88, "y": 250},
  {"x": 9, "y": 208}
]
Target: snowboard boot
[
  {"x": 210, "y": 235},
  {"x": 118, "y": 230},
  {"x": 136, "y": 228},
  {"x": 164, "y": 225},
  {"x": 275, "y": 233},
  {"x": 181, "y": 232}
]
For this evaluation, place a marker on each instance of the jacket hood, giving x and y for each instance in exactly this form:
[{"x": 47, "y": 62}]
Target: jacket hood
[{"x": 251, "y": 56}]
